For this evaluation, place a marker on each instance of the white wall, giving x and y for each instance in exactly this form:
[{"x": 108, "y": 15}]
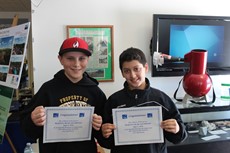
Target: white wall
[{"x": 132, "y": 22}]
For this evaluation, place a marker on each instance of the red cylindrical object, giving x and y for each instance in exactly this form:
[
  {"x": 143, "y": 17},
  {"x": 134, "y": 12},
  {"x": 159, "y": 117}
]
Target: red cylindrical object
[
  {"x": 198, "y": 61},
  {"x": 196, "y": 81}
]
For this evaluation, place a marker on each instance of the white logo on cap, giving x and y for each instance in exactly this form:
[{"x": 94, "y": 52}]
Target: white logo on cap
[{"x": 76, "y": 44}]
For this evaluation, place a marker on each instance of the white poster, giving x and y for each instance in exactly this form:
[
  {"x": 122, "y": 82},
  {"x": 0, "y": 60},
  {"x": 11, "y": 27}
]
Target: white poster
[
  {"x": 138, "y": 125},
  {"x": 13, "y": 43},
  {"x": 66, "y": 124}
]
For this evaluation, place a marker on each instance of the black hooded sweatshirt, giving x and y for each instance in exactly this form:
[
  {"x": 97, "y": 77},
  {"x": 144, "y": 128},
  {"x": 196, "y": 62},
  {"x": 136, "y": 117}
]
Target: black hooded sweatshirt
[
  {"x": 60, "y": 91},
  {"x": 147, "y": 97}
]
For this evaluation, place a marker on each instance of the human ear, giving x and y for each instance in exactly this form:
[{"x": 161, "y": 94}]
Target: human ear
[{"x": 146, "y": 67}]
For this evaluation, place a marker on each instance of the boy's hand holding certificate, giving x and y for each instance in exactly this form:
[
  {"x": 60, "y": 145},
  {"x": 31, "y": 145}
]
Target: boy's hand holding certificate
[{"x": 138, "y": 125}]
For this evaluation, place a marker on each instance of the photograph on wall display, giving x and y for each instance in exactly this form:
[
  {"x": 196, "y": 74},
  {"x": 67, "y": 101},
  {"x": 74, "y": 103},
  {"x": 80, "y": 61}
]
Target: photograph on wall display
[
  {"x": 13, "y": 42},
  {"x": 100, "y": 42}
]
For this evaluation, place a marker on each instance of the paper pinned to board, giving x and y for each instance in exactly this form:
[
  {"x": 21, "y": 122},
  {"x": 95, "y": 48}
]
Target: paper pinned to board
[{"x": 13, "y": 44}]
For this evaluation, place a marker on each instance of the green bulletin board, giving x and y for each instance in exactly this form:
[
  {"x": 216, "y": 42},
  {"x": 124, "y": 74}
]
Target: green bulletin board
[{"x": 100, "y": 42}]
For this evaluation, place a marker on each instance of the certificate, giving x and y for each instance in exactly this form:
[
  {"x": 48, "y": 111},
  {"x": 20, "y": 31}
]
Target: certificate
[
  {"x": 65, "y": 124},
  {"x": 138, "y": 125}
]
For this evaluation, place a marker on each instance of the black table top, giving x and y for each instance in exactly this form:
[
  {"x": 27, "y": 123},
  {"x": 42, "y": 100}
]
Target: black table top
[{"x": 195, "y": 138}]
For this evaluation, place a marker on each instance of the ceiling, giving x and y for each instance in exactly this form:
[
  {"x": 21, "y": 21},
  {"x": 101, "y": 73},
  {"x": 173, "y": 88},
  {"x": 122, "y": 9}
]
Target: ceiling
[{"x": 15, "y": 5}]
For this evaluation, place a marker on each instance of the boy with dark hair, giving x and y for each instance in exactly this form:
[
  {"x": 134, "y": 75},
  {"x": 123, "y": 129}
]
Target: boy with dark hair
[
  {"x": 138, "y": 92},
  {"x": 70, "y": 87}
]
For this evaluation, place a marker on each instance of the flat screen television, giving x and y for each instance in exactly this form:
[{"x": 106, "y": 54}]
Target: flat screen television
[{"x": 177, "y": 35}]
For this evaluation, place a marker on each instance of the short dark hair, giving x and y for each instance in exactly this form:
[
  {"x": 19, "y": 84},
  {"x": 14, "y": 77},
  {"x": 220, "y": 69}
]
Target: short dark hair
[{"x": 132, "y": 54}]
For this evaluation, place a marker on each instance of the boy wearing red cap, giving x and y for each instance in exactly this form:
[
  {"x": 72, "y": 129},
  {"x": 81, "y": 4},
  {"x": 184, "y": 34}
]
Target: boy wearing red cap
[{"x": 70, "y": 87}]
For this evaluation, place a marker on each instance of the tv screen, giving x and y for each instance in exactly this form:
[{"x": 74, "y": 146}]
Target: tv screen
[{"x": 177, "y": 35}]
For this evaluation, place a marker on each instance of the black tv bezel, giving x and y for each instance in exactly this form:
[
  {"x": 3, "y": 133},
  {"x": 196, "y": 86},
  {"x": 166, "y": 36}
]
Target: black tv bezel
[{"x": 180, "y": 71}]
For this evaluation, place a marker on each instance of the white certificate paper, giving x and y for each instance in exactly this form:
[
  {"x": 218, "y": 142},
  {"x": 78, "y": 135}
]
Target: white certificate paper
[
  {"x": 138, "y": 125},
  {"x": 65, "y": 124}
]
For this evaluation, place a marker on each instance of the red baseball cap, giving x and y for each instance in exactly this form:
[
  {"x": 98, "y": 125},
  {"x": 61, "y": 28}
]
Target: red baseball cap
[{"x": 75, "y": 44}]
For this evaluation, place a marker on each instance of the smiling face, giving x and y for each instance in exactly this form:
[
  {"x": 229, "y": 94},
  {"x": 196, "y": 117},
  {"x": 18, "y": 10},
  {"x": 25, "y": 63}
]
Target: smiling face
[
  {"x": 74, "y": 64},
  {"x": 134, "y": 73}
]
